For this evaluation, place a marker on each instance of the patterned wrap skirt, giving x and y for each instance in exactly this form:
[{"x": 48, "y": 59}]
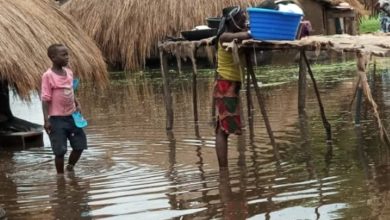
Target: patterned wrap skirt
[{"x": 227, "y": 104}]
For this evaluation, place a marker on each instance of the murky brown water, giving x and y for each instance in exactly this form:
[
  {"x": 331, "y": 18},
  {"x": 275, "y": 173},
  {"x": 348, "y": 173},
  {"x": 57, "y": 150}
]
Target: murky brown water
[{"x": 132, "y": 170}]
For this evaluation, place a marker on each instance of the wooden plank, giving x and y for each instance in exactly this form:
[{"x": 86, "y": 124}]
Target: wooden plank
[
  {"x": 24, "y": 134},
  {"x": 22, "y": 139}
]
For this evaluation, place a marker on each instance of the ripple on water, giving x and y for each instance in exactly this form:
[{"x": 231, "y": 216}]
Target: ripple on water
[{"x": 133, "y": 170}]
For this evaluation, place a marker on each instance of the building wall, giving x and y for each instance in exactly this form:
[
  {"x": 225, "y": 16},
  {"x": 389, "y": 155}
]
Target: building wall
[{"x": 314, "y": 13}]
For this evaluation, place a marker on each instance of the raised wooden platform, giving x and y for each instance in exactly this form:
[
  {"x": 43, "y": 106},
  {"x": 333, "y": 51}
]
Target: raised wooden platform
[
  {"x": 364, "y": 46},
  {"x": 22, "y": 139}
]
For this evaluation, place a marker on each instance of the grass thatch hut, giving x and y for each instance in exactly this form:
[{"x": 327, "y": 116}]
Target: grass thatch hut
[
  {"x": 128, "y": 31},
  {"x": 328, "y": 17},
  {"x": 27, "y": 28}
]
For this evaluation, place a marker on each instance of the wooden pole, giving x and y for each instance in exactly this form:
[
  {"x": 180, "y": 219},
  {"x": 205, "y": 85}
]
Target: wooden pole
[
  {"x": 194, "y": 88},
  {"x": 167, "y": 91},
  {"x": 213, "y": 109},
  {"x": 324, "y": 120},
  {"x": 362, "y": 61},
  {"x": 359, "y": 96},
  {"x": 356, "y": 87},
  {"x": 249, "y": 106},
  {"x": 260, "y": 99},
  {"x": 302, "y": 83}
]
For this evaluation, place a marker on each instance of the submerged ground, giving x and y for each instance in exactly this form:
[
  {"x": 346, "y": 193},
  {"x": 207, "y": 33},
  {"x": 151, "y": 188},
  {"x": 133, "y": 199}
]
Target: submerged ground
[{"x": 132, "y": 170}]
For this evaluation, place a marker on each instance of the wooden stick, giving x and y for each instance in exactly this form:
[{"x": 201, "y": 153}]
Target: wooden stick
[
  {"x": 237, "y": 61},
  {"x": 213, "y": 109},
  {"x": 354, "y": 93},
  {"x": 362, "y": 61},
  {"x": 194, "y": 87},
  {"x": 249, "y": 106},
  {"x": 167, "y": 91},
  {"x": 260, "y": 99},
  {"x": 324, "y": 120},
  {"x": 178, "y": 60},
  {"x": 359, "y": 96},
  {"x": 302, "y": 83}
]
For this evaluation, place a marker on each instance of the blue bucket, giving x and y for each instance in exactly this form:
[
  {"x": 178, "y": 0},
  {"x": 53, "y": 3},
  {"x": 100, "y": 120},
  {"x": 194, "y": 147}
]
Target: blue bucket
[{"x": 267, "y": 24}]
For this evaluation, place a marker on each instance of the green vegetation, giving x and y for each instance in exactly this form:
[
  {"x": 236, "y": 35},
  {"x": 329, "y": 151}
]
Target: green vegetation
[
  {"x": 369, "y": 24},
  {"x": 268, "y": 75},
  {"x": 323, "y": 72}
]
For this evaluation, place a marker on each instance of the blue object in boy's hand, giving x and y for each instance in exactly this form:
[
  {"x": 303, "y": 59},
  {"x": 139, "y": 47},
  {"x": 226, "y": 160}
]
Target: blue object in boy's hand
[
  {"x": 79, "y": 120},
  {"x": 75, "y": 83}
]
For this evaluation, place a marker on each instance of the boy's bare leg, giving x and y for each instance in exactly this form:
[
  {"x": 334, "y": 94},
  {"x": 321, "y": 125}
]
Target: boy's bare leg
[
  {"x": 74, "y": 157},
  {"x": 59, "y": 161},
  {"x": 221, "y": 148}
]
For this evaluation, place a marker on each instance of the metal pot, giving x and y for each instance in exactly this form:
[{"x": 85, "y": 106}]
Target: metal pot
[{"x": 213, "y": 22}]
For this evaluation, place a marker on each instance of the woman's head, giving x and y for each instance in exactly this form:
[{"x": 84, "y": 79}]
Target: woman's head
[{"x": 235, "y": 18}]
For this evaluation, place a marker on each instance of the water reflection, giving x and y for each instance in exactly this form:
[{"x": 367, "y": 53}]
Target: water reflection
[
  {"x": 134, "y": 169},
  {"x": 376, "y": 169},
  {"x": 70, "y": 186},
  {"x": 9, "y": 201},
  {"x": 234, "y": 204}
]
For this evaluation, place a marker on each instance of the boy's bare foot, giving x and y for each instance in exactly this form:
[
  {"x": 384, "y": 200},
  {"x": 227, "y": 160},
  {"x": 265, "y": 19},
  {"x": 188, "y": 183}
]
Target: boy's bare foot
[{"x": 70, "y": 167}]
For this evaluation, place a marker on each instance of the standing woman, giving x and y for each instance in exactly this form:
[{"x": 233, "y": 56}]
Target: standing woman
[{"x": 228, "y": 82}]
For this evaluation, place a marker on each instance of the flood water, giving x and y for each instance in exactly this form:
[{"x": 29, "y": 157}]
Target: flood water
[{"x": 132, "y": 170}]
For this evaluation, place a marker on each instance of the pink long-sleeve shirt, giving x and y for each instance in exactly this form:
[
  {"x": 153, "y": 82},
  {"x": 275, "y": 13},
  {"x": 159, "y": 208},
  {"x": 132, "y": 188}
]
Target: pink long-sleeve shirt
[{"x": 57, "y": 90}]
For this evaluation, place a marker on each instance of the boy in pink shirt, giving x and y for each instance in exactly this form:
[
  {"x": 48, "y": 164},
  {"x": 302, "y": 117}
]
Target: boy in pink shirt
[{"x": 58, "y": 104}]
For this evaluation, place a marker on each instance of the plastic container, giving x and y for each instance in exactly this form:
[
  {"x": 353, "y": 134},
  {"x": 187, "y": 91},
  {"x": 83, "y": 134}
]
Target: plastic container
[
  {"x": 79, "y": 120},
  {"x": 76, "y": 84},
  {"x": 267, "y": 24}
]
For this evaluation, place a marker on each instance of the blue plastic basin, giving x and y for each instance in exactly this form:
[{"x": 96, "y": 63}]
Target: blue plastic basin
[{"x": 267, "y": 24}]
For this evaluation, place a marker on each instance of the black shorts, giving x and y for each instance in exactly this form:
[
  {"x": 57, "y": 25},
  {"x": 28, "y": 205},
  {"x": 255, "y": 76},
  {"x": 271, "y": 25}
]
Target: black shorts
[{"x": 63, "y": 128}]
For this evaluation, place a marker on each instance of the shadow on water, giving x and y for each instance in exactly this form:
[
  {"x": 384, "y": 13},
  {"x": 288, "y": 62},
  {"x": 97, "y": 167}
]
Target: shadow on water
[{"x": 135, "y": 169}]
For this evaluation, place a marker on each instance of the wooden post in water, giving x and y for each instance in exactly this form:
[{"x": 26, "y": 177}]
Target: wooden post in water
[
  {"x": 249, "y": 106},
  {"x": 362, "y": 61},
  {"x": 323, "y": 116},
  {"x": 213, "y": 109},
  {"x": 260, "y": 99},
  {"x": 194, "y": 88},
  {"x": 359, "y": 96},
  {"x": 167, "y": 91},
  {"x": 302, "y": 83}
]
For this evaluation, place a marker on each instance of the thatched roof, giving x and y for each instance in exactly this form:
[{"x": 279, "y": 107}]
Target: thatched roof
[
  {"x": 128, "y": 31},
  {"x": 27, "y": 28}
]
